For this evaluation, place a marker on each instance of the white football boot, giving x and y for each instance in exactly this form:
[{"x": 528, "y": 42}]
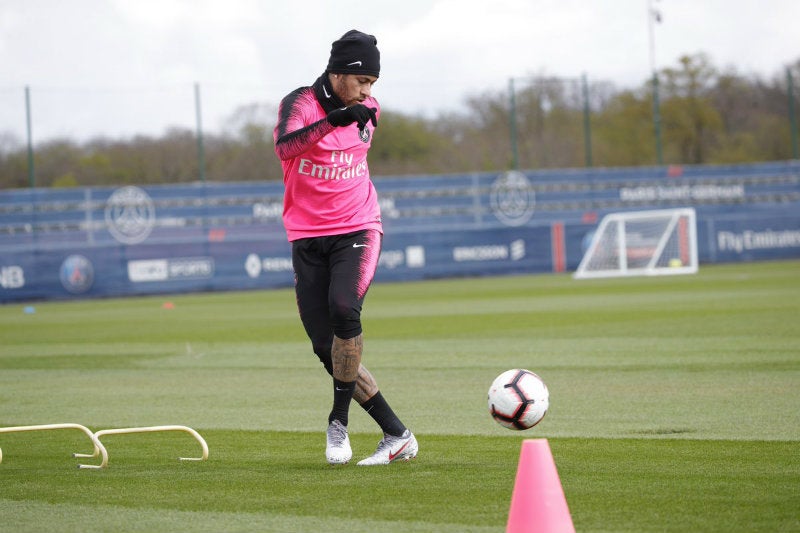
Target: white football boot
[
  {"x": 338, "y": 451},
  {"x": 391, "y": 449}
]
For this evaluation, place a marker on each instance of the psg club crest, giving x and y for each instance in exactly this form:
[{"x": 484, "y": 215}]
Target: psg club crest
[
  {"x": 364, "y": 134},
  {"x": 130, "y": 215},
  {"x": 513, "y": 198},
  {"x": 76, "y": 274}
]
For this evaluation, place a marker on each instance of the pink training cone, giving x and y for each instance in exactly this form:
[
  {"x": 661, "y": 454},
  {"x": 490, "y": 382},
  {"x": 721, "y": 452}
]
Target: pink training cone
[{"x": 538, "y": 504}]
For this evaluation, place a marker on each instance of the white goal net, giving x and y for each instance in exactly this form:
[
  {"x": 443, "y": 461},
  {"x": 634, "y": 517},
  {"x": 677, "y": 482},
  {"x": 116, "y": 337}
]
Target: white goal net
[{"x": 642, "y": 243}]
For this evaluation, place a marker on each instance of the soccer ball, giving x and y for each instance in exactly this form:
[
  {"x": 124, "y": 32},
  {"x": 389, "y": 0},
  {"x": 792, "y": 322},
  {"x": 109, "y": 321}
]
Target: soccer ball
[{"x": 518, "y": 399}]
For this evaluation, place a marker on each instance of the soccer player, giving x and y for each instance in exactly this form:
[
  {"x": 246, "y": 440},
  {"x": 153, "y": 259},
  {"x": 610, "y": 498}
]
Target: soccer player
[{"x": 332, "y": 219}]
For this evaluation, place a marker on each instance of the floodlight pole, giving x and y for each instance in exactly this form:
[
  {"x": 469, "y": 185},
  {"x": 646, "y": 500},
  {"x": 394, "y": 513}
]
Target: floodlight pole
[
  {"x": 654, "y": 16},
  {"x": 587, "y": 122},
  {"x": 512, "y": 124},
  {"x": 201, "y": 157},
  {"x": 31, "y": 172},
  {"x": 792, "y": 113}
]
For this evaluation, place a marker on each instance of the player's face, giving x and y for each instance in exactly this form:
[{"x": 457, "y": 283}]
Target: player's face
[{"x": 352, "y": 88}]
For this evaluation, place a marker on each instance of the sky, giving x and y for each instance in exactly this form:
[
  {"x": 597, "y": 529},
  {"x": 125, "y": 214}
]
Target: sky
[{"x": 119, "y": 68}]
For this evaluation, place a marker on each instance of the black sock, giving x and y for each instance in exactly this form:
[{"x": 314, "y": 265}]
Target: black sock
[
  {"x": 380, "y": 411},
  {"x": 342, "y": 394}
]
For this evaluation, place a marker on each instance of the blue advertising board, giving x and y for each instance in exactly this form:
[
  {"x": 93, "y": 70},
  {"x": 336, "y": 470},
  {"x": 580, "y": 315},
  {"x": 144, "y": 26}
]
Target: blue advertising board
[{"x": 130, "y": 240}]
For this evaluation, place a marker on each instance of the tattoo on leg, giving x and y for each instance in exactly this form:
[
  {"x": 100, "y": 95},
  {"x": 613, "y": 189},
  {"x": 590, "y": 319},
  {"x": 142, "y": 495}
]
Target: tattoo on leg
[
  {"x": 366, "y": 386},
  {"x": 346, "y": 355}
]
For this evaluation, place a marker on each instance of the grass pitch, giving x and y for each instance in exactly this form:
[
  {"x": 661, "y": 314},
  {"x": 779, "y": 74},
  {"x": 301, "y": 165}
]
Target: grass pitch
[{"x": 675, "y": 406}]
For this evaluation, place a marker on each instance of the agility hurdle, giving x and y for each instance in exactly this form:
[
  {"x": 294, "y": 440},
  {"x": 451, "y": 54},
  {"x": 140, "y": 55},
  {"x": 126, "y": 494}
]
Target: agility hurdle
[
  {"x": 99, "y": 449},
  {"x": 150, "y": 429}
]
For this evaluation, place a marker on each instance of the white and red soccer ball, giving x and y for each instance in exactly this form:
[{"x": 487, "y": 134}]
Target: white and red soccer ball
[{"x": 518, "y": 399}]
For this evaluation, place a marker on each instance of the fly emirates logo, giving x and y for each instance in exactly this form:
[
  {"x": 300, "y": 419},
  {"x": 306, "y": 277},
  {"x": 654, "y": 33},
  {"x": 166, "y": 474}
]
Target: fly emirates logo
[{"x": 340, "y": 167}]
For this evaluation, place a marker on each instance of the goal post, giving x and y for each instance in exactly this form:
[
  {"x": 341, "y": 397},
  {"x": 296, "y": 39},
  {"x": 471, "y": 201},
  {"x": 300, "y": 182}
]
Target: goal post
[{"x": 642, "y": 243}]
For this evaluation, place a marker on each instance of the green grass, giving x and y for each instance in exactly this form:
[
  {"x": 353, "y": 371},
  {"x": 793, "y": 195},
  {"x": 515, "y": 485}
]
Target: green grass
[{"x": 675, "y": 406}]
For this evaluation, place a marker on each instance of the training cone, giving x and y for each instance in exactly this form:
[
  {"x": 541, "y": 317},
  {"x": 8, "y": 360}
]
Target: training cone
[{"x": 538, "y": 504}]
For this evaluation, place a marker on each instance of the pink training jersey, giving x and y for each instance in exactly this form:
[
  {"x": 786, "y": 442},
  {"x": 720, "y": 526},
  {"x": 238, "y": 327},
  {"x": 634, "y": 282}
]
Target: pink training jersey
[{"x": 325, "y": 171}]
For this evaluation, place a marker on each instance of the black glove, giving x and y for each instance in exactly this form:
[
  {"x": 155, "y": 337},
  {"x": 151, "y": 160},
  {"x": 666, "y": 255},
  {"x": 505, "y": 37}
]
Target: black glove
[{"x": 358, "y": 113}]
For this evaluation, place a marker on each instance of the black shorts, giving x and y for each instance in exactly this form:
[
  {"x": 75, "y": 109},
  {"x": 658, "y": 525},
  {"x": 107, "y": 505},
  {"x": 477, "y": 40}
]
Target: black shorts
[{"x": 332, "y": 275}]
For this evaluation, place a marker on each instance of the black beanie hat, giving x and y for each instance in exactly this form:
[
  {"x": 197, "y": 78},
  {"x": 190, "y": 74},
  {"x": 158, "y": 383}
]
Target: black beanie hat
[{"x": 355, "y": 53}]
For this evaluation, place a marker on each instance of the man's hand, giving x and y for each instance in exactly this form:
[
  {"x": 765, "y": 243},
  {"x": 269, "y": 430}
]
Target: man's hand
[{"x": 359, "y": 113}]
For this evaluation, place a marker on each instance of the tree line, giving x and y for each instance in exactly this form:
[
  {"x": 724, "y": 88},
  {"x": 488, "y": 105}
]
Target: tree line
[{"x": 707, "y": 116}]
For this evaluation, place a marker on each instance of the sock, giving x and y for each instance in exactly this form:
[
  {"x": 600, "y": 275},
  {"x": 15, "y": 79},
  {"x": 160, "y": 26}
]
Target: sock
[
  {"x": 342, "y": 394},
  {"x": 380, "y": 411}
]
